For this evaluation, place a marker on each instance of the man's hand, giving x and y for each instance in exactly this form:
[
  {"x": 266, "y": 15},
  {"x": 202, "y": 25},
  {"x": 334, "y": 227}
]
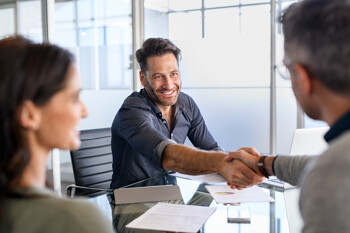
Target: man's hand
[
  {"x": 250, "y": 157},
  {"x": 247, "y": 155},
  {"x": 238, "y": 174},
  {"x": 188, "y": 160}
]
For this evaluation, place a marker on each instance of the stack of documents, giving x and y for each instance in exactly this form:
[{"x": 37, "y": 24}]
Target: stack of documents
[
  {"x": 173, "y": 217},
  {"x": 224, "y": 194}
]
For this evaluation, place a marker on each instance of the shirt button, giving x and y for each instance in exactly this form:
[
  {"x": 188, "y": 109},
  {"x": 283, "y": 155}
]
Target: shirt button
[{"x": 171, "y": 136}]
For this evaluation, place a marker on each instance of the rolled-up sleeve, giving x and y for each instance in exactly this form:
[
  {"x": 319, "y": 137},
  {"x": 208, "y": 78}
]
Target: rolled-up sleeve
[{"x": 161, "y": 146}]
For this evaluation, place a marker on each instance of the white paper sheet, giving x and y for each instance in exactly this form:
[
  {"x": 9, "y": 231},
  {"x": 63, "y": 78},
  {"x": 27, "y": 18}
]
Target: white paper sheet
[
  {"x": 224, "y": 194},
  {"x": 173, "y": 217},
  {"x": 208, "y": 178}
]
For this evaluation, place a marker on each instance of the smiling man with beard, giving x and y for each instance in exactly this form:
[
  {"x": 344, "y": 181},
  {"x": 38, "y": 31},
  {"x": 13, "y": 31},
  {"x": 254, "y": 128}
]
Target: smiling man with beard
[{"x": 151, "y": 126}]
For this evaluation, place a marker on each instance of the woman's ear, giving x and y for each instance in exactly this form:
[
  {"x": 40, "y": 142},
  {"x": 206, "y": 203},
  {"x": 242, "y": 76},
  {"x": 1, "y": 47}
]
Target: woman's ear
[{"x": 29, "y": 115}]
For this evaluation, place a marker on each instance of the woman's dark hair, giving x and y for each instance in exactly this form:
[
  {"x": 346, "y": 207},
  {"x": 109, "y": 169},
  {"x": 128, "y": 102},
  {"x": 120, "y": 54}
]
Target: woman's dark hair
[
  {"x": 155, "y": 47},
  {"x": 28, "y": 71}
]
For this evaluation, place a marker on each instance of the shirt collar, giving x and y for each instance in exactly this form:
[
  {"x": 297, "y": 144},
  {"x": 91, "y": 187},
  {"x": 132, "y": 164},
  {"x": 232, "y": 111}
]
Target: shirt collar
[
  {"x": 339, "y": 127},
  {"x": 151, "y": 103}
]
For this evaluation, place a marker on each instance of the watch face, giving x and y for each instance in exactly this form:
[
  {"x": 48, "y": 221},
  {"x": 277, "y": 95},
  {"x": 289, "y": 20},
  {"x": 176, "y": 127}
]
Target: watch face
[{"x": 260, "y": 164}]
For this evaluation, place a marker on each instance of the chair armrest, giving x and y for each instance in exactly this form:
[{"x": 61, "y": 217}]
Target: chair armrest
[{"x": 71, "y": 189}]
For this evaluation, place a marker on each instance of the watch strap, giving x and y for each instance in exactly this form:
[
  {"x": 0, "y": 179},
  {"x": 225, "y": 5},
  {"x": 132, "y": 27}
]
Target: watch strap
[{"x": 261, "y": 166}]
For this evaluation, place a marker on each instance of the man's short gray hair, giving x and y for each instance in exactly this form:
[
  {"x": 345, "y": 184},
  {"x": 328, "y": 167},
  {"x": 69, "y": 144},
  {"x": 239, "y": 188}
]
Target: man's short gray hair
[{"x": 317, "y": 35}]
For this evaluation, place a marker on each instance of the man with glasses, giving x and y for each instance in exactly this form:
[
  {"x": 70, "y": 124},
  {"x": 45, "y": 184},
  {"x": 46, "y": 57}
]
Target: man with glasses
[
  {"x": 317, "y": 56},
  {"x": 151, "y": 126}
]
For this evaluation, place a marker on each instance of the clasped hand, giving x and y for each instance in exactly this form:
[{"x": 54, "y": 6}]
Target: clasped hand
[{"x": 246, "y": 173}]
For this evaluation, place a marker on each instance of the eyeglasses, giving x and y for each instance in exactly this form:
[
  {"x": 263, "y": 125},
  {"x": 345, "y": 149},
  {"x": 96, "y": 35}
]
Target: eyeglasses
[{"x": 283, "y": 71}]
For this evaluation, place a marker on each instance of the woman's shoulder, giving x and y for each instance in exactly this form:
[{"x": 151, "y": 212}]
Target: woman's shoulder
[
  {"x": 61, "y": 214},
  {"x": 77, "y": 210},
  {"x": 84, "y": 214}
]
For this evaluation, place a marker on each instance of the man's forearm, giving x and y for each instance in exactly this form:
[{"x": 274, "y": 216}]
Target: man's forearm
[
  {"x": 193, "y": 161},
  {"x": 190, "y": 160}
]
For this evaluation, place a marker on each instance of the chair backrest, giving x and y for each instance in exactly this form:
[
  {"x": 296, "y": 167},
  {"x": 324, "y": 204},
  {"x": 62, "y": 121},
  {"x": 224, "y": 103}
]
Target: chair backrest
[
  {"x": 92, "y": 162},
  {"x": 307, "y": 141}
]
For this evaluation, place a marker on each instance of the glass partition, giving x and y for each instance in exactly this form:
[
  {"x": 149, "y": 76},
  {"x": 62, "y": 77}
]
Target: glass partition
[
  {"x": 7, "y": 15},
  {"x": 99, "y": 34},
  {"x": 21, "y": 17},
  {"x": 225, "y": 64}
]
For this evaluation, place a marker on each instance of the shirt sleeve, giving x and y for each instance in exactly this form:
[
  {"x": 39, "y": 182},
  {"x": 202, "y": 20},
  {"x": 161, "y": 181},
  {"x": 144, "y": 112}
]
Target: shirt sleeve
[
  {"x": 140, "y": 129},
  {"x": 199, "y": 134}
]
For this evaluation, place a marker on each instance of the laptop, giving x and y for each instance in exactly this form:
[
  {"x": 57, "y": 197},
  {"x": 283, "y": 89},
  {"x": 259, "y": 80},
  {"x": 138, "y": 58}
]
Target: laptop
[{"x": 306, "y": 141}]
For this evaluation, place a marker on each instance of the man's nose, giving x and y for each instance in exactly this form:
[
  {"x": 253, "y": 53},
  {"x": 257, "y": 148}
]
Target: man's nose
[{"x": 168, "y": 82}]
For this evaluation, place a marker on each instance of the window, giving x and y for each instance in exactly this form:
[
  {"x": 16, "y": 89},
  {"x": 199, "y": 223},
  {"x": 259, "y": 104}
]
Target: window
[
  {"x": 21, "y": 17},
  {"x": 7, "y": 15},
  {"x": 99, "y": 34}
]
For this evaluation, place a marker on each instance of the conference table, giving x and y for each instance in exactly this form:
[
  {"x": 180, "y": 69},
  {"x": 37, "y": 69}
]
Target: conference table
[{"x": 266, "y": 217}]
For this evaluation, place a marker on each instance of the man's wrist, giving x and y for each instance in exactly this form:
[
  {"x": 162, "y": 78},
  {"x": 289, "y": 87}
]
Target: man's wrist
[
  {"x": 219, "y": 163},
  {"x": 268, "y": 164},
  {"x": 261, "y": 166},
  {"x": 265, "y": 165}
]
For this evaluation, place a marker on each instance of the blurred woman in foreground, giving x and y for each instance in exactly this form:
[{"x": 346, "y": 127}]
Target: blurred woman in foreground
[{"x": 39, "y": 110}]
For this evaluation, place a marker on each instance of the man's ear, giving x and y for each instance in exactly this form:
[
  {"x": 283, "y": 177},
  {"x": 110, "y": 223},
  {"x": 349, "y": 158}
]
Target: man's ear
[
  {"x": 29, "y": 115},
  {"x": 304, "y": 80},
  {"x": 142, "y": 78}
]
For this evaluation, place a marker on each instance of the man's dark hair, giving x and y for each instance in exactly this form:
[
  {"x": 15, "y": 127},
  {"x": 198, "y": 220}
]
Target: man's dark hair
[
  {"x": 317, "y": 35},
  {"x": 155, "y": 47}
]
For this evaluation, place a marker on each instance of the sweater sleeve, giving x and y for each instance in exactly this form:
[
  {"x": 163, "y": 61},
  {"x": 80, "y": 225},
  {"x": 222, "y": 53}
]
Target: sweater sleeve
[{"x": 289, "y": 168}]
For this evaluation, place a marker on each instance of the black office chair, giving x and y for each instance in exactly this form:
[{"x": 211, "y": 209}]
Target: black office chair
[{"x": 92, "y": 164}]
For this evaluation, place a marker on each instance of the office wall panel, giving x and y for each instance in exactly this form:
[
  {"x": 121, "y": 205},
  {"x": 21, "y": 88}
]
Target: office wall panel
[
  {"x": 103, "y": 105},
  {"x": 236, "y": 117},
  {"x": 286, "y": 122},
  {"x": 236, "y": 62}
]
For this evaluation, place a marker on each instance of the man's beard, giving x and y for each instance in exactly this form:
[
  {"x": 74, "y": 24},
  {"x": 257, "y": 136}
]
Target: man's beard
[{"x": 158, "y": 100}]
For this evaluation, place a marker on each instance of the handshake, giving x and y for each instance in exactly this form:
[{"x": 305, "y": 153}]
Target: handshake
[{"x": 245, "y": 167}]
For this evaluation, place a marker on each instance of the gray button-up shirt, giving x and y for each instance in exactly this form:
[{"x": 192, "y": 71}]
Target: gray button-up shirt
[{"x": 140, "y": 134}]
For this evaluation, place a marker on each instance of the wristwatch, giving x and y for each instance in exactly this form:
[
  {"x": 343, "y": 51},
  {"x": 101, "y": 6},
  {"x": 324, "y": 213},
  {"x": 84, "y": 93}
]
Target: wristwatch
[{"x": 261, "y": 166}]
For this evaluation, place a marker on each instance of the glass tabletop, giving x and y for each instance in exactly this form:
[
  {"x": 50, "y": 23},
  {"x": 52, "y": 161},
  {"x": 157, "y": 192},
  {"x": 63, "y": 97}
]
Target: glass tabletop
[{"x": 265, "y": 217}]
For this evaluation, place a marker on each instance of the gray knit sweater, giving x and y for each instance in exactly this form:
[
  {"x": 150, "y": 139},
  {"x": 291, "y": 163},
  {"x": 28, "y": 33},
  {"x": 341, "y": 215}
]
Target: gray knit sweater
[{"x": 325, "y": 186}]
